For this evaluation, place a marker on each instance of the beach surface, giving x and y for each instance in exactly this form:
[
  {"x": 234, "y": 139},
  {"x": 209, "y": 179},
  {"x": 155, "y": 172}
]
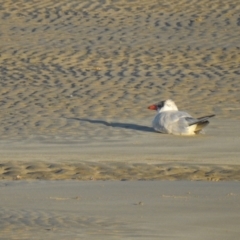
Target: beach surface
[
  {"x": 119, "y": 210},
  {"x": 76, "y": 78}
]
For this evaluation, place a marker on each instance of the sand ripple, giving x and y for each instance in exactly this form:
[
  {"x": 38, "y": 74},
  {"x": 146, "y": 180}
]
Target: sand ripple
[
  {"x": 118, "y": 171},
  {"x": 23, "y": 224},
  {"x": 109, "y": 60}
]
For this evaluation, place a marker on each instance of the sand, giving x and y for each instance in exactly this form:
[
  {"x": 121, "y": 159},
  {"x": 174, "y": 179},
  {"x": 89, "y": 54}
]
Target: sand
[
  {"x": 145, "y": 155},
  {"x": 76, "y": 80},
  {"x": 119, "y": 210},
  {"x": 103, "y": 60}
]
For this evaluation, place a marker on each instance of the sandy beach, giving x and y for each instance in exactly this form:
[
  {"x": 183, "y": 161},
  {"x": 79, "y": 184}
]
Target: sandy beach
[
  {"x": 119, "y": 210},
  {"x": 76, "y": 80}
]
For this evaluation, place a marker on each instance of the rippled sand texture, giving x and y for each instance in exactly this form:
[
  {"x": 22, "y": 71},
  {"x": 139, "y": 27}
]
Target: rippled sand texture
[
  {"x": 109, "y": 59},
  {"x": 117, "y": 171},
  {"x": 119, "y": 210}
]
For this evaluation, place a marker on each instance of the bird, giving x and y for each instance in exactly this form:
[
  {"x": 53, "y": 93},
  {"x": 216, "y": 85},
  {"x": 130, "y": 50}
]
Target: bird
[{"x": 170, "y": 120}]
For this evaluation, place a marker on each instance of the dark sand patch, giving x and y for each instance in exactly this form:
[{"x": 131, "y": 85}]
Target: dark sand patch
[{"x": 118, "y": 171}]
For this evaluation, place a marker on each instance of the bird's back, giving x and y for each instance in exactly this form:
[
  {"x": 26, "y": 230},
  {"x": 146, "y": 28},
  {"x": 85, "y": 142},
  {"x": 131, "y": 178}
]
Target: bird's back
[{"x": 173, "y": 122}]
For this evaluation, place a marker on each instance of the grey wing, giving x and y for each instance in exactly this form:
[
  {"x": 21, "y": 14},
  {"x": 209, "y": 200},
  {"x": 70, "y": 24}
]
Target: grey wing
[
  {"x": 199, "y": 122},
  {"x": 175, "y": 117},
  {"x": 191, "y": 121},
  {"x": 178, "y": 123}
]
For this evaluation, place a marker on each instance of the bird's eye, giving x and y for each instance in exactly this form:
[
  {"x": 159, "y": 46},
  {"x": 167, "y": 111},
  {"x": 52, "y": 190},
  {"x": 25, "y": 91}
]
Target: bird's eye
[{"x": 160, "y": 105}]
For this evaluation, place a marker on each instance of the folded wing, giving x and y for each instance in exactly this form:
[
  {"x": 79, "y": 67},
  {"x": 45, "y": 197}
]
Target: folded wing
[{"x": 199, "y": 122}]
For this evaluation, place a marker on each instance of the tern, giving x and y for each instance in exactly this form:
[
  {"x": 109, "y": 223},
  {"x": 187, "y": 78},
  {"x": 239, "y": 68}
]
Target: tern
[{"x": 172, "y": 121}]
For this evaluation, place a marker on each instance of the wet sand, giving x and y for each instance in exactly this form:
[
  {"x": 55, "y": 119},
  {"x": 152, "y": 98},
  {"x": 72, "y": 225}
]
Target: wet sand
[{"x": 119, "y": 210}]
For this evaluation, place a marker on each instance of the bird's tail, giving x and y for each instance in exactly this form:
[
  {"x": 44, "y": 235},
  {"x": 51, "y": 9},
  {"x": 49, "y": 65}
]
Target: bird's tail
[
  {"x": 201, "y": 120},
  {"x": 206, "y": 117},
  {"x": 201, "y": 123}
]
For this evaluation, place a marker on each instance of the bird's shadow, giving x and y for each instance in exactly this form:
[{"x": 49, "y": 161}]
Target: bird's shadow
[{"x": 116, "y": 124}]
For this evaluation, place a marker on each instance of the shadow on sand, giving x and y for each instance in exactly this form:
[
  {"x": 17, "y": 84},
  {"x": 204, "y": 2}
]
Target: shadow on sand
[{"x": 116, "y": 124}]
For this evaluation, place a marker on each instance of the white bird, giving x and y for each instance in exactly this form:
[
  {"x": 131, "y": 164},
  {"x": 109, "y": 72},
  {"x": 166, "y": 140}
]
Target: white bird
[{"x": 170, "y": 120}]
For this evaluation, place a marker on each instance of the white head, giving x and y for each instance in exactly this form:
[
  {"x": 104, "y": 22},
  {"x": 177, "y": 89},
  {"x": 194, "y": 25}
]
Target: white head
[{"x": 163, "y": 106}]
